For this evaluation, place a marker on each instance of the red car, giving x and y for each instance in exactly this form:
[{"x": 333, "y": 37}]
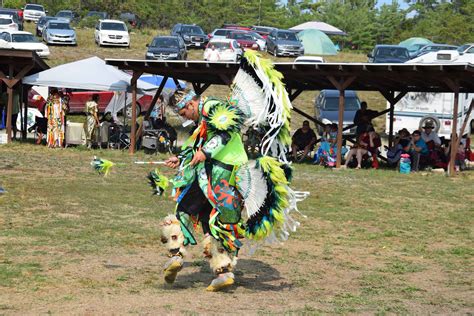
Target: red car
[
  {"x": 244, "y": 39},
  {"x": 78, "y": 99},
  {"x": 236, "y": 27}
]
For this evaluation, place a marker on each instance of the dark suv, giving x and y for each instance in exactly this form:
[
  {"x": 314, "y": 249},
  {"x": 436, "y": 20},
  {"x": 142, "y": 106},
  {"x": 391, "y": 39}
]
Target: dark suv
[
  {"x": 389, "y": 54},
  {"x": 166, "y": 47},
  {"x": 327, "y": 108},
  {"x": 192, "y": 35}
]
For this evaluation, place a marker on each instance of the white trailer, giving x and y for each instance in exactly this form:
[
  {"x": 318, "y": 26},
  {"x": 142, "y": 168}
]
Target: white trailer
[{"x": 416, "y": 108}]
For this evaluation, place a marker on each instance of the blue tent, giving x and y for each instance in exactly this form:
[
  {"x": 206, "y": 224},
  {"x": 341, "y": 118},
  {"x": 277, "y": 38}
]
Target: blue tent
[{"x": 156, "y": 80}]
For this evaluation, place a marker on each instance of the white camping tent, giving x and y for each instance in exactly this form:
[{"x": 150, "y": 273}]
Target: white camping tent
[
  {"x": 328, "y": 29},
  {"x": 87, "y": 74}
]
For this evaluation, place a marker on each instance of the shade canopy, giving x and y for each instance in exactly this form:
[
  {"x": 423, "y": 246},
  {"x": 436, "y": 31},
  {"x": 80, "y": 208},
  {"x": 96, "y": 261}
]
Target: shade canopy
[
  {"x": 87, "y": 74},
  {"x": 157, "y": 79},
  {"x": 415, "y": 43},
  {"x": 316, "y": 43},
  {"x": 321, "y": 26}
]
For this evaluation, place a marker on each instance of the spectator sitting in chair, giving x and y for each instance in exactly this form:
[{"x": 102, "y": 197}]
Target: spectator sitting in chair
[
  {"x": 430, "y": 137},
  {"x": 368, "y": 141},
  {"x": 418, "y": 151},
  {"x": 303, "y": 139}
]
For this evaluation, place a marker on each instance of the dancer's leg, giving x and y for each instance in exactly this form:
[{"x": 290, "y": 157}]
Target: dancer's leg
[
  {"x": 222, "y": 264},
  {"x": 172, "y": 237}
]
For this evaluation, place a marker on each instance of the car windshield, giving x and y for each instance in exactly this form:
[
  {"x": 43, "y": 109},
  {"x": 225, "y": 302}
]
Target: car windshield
[
  {"x": 263, "y": 29},
  {"x": 462, "y": 48},
  {"x": 165, "y": 42},
  {"x": 257, "y": 36},
  {"x": 392, "y": 52},
  {"x": 289, "y": 36},
  {"x": 351, "y": 104},
  {"x": 34, "y": 7},
  {"x": 24, "y": 38},
  {"x": 64, "y": 14},
  {"x": 5, "y": 21},
  {"x": 242, "y": 36},
  {"x": 221, "y": 32},
  {"x": 110, "y": 26},
  {"x": 59, "y": 26},
  {"x": 220, "y": 45},
  {"x": 192, "y": 30}
]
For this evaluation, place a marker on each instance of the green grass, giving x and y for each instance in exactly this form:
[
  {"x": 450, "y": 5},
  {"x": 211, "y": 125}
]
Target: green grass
[{"x": 373, "y": 242}]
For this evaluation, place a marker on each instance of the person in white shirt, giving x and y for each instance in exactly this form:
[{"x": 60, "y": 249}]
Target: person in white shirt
[
  {"x": 213, "y": 54},
  {"x": 429, "y": 135}
]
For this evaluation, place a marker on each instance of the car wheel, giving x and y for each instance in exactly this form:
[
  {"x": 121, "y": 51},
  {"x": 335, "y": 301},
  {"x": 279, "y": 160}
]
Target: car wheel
[
  {"x": 128, "y": 110},
  {"x": 275, "y": 52}
]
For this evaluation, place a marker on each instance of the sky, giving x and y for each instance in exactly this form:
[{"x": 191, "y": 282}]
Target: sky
[{"x": 402, "y": 3}]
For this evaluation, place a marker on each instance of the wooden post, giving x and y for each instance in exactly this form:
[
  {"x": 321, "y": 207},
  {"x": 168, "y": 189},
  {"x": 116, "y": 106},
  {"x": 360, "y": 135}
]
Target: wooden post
[
  {"x": 340, "y": 126},
  {"x": 133, "y": 130},
  {"x": 10, "y": 85},
  {"x": 25, "y": 90},
  {"x": 453, "y": 135},
  {"x": 340, "y": 85},
  {"x": 390, "y": 123}
]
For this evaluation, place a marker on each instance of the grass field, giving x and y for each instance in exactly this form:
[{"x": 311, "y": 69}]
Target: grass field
[{"x": 373, "y": 241}]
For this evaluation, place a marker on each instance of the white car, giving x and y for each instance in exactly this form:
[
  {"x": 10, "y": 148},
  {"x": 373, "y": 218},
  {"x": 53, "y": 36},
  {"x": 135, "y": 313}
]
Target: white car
[
  {"x": 261, "y": 42},
  {"x": 23, "y": 40},
  {"x": 224, "y": 50},
  {"x": 111, "y": 32},
  {"x": 7, "y": 23},
  {"x": 309, "y": 59},
  {"x": 33, "y": 12}
]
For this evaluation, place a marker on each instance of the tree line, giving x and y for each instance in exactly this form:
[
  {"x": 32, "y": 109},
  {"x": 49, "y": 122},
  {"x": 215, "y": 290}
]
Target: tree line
[{"x": 366, "y": 24}]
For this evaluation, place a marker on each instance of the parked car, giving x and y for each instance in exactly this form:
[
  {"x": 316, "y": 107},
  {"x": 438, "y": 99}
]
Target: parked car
[
  {"x": 78, "y": 99},
  {"x": 42, "y": 22},
  {"x": 432, "y": 48},
  {"x": 261, "y": 42},
  {"x": 244, "y": 39},
  {"x": 327, "y": 108},
  {"x": 111, "y": 32},
  {"x": 15, "y": 15},
  {"x": 23, "y": 40},
  {"x": 166, "y": 47},
  {"x": 98, "y": 14},
  {"x": 309, "y": 59},
  {"x": 192, "y": 34},
  {"x": 59, "y": 32},
  {"x": 466, "y": 49},
  {"x": 284, "y": 43},
  {"x": 219, "y": 33},
  {"x": 388, "y": 54},
  {"x": 130, "y": 18},
  {"x": 33, "y": 12},
  {"x": 263, "y": 30},
  {"x": 7, "y": 23},
  {"x": 229, "y": 49},
  {"x": 69, "y": 15}
]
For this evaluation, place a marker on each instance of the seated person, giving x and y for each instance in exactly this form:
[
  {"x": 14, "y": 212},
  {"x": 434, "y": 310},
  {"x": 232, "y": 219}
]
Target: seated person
[
  {"x": 303, "y": 139},
  {"x": 401, "y": 145},
  {"x": 418, "y": 151},
  {"x": 327, "y": 151},
  {"x": 430, "y": 137},
  {"x": 367, "y": 142}
]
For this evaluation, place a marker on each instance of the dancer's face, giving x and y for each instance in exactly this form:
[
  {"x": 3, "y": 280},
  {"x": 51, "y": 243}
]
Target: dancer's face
[{"x": 190, "y": 110}]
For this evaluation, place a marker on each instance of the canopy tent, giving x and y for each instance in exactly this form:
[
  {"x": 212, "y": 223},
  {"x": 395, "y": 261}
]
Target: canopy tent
[
  {"x": 87, "y": 74},
  {"x": 156, "y": 80},
  {"x": 316, "y": 42},
  {"x": 415, "y": 43},
  {"x": 321, "y": 26}
]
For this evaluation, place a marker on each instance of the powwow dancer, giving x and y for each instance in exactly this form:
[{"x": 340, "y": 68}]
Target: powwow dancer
[{"x": 216, "y": 185}]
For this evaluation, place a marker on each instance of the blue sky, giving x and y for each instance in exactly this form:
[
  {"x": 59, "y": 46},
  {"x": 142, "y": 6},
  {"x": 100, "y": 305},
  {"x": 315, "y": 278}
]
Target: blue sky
[{"x": 402, "y": 3}]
